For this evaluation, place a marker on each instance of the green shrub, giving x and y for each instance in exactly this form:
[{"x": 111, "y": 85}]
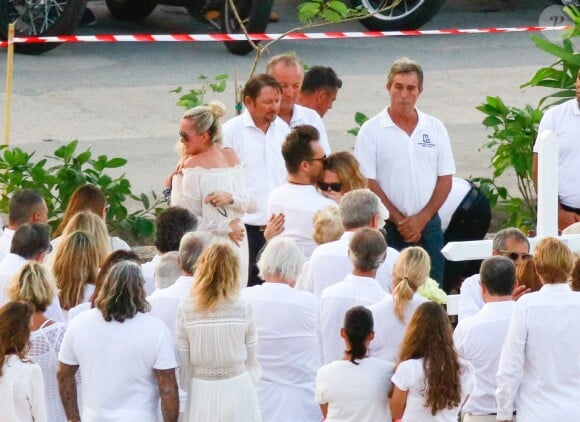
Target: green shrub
[{"x": 56, "y": 177}]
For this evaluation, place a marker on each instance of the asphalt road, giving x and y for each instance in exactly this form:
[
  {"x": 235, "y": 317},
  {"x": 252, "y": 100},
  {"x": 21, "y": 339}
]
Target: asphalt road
[{"x": 115, "y": 97}]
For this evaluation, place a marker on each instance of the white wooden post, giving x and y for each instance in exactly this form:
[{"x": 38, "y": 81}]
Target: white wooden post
[{"x": 547, "y": 220}]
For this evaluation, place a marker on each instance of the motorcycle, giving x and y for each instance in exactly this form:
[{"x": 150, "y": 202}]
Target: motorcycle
[{"x": 57, "y": 17}]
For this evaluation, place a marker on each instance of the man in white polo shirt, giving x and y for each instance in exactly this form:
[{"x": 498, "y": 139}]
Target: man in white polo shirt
[
  {"x": 298, "y": 199},
  {"x": 479, "y": 339},
  {"x": 564, "y": 121},
  {"x": 257, "y": 136},
  {"x": 406, "y": 156},
  {"x": 286, "y": 69}
]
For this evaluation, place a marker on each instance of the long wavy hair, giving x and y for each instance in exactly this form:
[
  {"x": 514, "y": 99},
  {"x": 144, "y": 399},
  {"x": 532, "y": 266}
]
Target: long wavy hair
[
  {"x": 76, "y": 264},
  {"x": 14, "y": 330},
  {"x": 122, "y": 295},
  {"x": 216, "y": 277},
  {"x": 346, "y": 166},
  {"x": 35, "y": 284},
  {"x": 411, "y": 270},
  {"x": 429, "y": 337},
  {"x": 88, "y": 221}
]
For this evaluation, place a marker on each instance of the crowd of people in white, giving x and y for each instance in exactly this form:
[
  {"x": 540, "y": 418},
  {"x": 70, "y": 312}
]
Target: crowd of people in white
[{"x": 274, "y": 295}]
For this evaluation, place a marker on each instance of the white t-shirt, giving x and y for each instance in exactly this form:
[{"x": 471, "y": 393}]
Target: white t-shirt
[
  {"x": 459, "y": 188},
  {"x": 164, "y": 302},
  {"x": 306, "y": 116},
  {"x": 148, "y": 271},
  {"x": 298, "y": 203},
  {"x": 355, "y": 393},
  {"x": 261, "y": 157},
  {"x": 405, "y": 167},
  {"x": 564, "y": 121},
  {"x": 389, "y": 330},
  {"x": 335, "y": 301},
  {"x": 479, "y": 339},
  {"x": 409, "y": 376},
  {"x": 116, "y": 362},
  {"x": 329, "y": 264},
  {"x": 6, "y": 242}
]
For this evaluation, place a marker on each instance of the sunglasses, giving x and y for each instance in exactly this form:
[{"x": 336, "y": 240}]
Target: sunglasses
[
  {"x": 184, "y": 136},
  {"x": 337, "y": 187},
  {"x": 515, "y": 255}
]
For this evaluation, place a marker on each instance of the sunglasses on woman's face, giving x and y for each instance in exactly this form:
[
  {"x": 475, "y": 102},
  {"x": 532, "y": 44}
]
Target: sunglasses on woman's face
[{"x": 337, "y": 187}]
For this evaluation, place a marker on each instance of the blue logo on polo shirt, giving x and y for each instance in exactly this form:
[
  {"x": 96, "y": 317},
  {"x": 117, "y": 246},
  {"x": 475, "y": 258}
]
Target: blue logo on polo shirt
[{"x": 426, "y": 142}]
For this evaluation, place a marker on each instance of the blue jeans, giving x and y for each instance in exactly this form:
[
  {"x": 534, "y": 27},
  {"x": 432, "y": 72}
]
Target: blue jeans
[{"x": 431, "y": 241}]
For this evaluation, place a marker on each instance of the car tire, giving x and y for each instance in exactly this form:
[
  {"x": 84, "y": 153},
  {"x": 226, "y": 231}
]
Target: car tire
[
  {"x": 409, "y": 14},
  {"x": 255, "y": 14}
]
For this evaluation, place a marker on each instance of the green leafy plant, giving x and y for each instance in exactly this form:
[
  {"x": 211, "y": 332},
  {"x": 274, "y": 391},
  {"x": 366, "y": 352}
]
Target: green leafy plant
[
  {"x": 514, "y": 133},
  {"x": 359, "y": 119},
  {"x": 56, "y": 177},
  {"x": 196, "y": 96}
]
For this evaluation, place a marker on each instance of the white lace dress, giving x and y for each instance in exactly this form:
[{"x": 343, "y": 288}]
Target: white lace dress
[
  {"x": 44, "y": 347},
  {"x": 219, "y": 368},
  {"x": 190, "y": 189}
]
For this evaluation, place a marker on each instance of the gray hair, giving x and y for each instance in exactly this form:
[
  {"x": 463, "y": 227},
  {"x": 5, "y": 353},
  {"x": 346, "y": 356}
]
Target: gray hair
[
  {"x": 405, "y": 65},
  {"x": 207, "y": 119},
  {"x": 367, "y": 249},
  {"x": 500, "y": 239},
  {"x": 191, "y": 247},
  {"x": 281, "y": 259},
  {"x": 498, "y": 275},
  {"x": 358, "y": 207},
  {"x": 167, "y": 270}
]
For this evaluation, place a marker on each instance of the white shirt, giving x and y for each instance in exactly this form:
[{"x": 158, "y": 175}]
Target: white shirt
[
  {"x": 409, "y": 376},
  {"x": 164, "y": 302},
  {"x": 9, "y": 266},
  {"x": 389, "y": 330},
  {"x": 334, "y": 302},
  {"x": 148, "y": 271},
  {"x": 459, "y": 188},
  {"x": 116, "y": 362},
  {"x": 355, "y": 393},
  {"x": 261, "y": 157},
  {"x": 479, "y": 339},
  {"x": 306, "y": 116},
  {"x": 21, "y": 392},
  {"x": 287, "y": 351},
  {"x": 470, "y": 298},
  {"x": 6, "y": 242},
  {"x": 298, "y": 203},
  {"x": 539, "y": 367},
  {"x": 329, "y": 264},
  {"x": 405, "y": 167},
  {"x": 564, "y": 121}
]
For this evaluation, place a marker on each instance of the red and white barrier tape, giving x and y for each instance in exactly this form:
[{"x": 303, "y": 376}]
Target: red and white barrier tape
[{"x": 269, "y": 37}]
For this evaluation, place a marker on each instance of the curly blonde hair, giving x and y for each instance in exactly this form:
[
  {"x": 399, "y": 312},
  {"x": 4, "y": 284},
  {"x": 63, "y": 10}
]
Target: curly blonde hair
[
  {"x": 411, "y": 270},
  {"x": 216, "y": 277},
  {"x": 327, "y": 225}
]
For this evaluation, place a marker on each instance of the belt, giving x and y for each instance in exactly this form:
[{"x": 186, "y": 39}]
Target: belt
[{"x": 570, "y": 209}]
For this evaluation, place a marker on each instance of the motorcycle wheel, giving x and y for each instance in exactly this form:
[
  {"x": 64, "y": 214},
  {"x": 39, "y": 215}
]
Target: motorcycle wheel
[
  {"x": 130, "y": 10},
  {"x": 408, "y": 14},
  {"x": 40, "y": 18},
  {"x": 255, "y": 15}
]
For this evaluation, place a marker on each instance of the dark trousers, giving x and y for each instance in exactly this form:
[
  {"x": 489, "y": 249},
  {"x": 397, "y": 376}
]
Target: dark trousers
[
  {"x": 256, "y": 242},
  {"x": 431, "y": 241},
  {"x": 470, "y": 221}
]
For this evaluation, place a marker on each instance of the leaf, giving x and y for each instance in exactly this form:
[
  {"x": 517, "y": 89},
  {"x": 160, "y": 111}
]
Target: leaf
[
  {"x": 83, "y": 157},
  {"x": 116, "y": 162},
  {"x": 339, "y": 7},
  {"x": 176, "y": 90},
  {"x": 491, "y": 121},
  {"x": 360, "y": 118},
  {"x": 555, "y": 50},
  {"x": 222, "y": 77},
  {"x": 144, "y": 200}
]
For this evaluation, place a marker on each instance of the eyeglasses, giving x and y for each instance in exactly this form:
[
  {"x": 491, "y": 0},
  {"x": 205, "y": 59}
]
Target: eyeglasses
[
  {"x": 515, "y": 255},
  {"x": 321, "y": 159},
  {"x": 337, "y": 187},
  {"x": 184, "y": 136}
]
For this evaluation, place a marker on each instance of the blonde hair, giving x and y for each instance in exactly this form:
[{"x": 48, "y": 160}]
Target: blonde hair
[
  {"x": 347, "y": 168},
  {"x": 327, "y": 225},
  {"x": 411, "y": 270},
  {"x": 216, "y": 277},
  {"x": 35, "y": 284},
  {"x": 91, "y": 223},
  {"x": 76, "y": 264},
  {"x": 553, "y": 260},
  {"x": 205, "y": 118}
]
